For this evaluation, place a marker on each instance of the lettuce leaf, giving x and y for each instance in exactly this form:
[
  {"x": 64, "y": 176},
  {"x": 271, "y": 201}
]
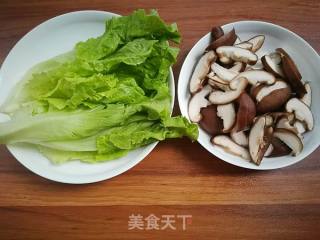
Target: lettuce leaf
[{"x": 107, "y": 96}]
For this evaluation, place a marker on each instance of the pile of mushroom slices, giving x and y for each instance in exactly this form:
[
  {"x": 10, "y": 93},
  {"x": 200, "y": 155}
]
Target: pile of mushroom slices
[{"x": 252, "y": 108}]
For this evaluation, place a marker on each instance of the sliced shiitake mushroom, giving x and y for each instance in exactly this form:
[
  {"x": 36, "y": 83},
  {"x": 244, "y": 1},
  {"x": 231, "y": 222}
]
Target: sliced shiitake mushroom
[
  {"x": 277, "y": 148},
  {"x": 240, "y": 138},
  {"x": 300, "y": 126},
  {"x": 220, "y": 97},
  {"x": 254, "y": 77},
  {"x": 238, "y": 67},
  {"x": 246, "y": 112},
  {"x": 237, "y": 54},
  {"x": 278, "y": 115},
  {"x": 271, "y": 64},
  {"x": 216, "y": 33},
  {"x": 301, "y": 111},
  {"x": 259, "y": 138},
  {"x": 225, "y": 60},
  {"x": 245, "y": 45},
  {"x": 293, "y": 125},
  {"x": 201, "y": 70},
  {"x": 197, "y": 102},
  {"x": 257, "y": 66},
  {"x": 222, "y": 72},
  {"x": 227, "y": 39},
  {"x": 290, "y": 139},
  {"x": 210, "y": 122},
  {"x": 227, "y": 113},
  {"x": 287, "y": 123},
  {"x": 292, "y": 73},
  {"x": 216, "y": 83},
  {"x": 272, "y": 97},
  {"x": 307, "y": 96},
  {"x": 230, "y": 146},
  {"x": 255, "y": 89},
  {"x": 257, "y": 42},
  {"x": 269, "y": 151},
  {"x": 215, "y": 77}
]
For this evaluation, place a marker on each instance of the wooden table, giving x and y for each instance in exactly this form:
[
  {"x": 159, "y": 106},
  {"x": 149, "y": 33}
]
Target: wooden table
[{"x": 178, "y": 177}]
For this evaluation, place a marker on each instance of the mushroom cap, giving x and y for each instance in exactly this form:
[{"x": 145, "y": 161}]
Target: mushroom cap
[
  {"x": 278, "y": 148},
  {"x": 222, "y": 72},
  {"x": 257, "y": 42},
  {"x": 270, "y": 98},
  {"x": 259, "y": 138},
  {"x": 216, "y": 33},
  {"x": 271, "y": 65},
  {"x": 197, "y": 102},
  {"x": 238, "y": 67},
  {"x": 230, "y": 146},
  {"x": 301, "y": 111},
  {"x": 210, "y": 122},
  {"x": 246, "y": 112},
  {"x": 215, "y": 83},
  {"x": 291, "y": 72},
  {"x": 245, "y": 45},
  {"x": 220, "y": 97},
  {"x": 237, "y": 54},
  {"x": 227, "y": 39},
  {"x": 227, "y": 113},
  {"x": 290, "y": 139},
  {"x": 201, "y": 70},
  {"x": 254, "y": 77},
  {"x": 240, "y": 138}
]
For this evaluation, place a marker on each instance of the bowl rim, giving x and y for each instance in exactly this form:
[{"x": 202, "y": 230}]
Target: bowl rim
[
  {"x": 219, "y": 153},
  {"x": 85, "y": 178}
]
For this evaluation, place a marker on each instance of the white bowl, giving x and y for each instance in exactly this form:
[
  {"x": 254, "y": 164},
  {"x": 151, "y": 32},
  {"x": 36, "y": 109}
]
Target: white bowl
[
  {"x": 51, "y": 38},
  {"x": 307, "y": 60}
]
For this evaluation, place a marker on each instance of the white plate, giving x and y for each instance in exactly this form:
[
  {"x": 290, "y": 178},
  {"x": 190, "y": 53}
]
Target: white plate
[
  {"x": 51, "y": 38},
  {"x": 304, "y": 55}
]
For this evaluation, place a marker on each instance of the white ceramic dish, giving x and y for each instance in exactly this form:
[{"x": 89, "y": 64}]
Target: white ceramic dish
[
  {"x": 51, "y": 38},
  {"x": 304, "y": 55}
]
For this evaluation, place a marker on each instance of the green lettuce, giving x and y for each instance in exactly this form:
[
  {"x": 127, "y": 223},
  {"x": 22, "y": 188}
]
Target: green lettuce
[{"x": 107, "y": 96}]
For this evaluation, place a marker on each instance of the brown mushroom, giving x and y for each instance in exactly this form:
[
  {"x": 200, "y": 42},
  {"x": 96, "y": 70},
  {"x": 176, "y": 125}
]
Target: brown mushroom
[
  {"x": 246, "y": 112},
  {"x": 210, "y": 122},
  {"x": 197, "y": 102},
  {"x": 254, "y": 77},
  {"x": 271, "y": 64},
  {"x": 245, "y": 45},
  {"x": 270, "y": 98},
  {"x": 222, "y": 72},
  {"x": 301, "y": 111},
  {"x": 201, "y": 70},
  {"x": 292, "y": 73},
  {"x": 290, "y": 139},
  {"x": 216, "y": 33},
  {"x": 240, "y": 138},
  {"x": 238, "y": 67},
  {"x": 278, "y": 148},
  {"x": 227, "y": 113},
  {"x": 220, "y": 97},
  {"x": 257, "y": 42},
  {"x": 230, "y": 146},
  {"x": 216, "y": 83},
  {"x": 225, "y": 40},
  {"x": 237, "y": 54},
  {"x": 259, "y": 138}
]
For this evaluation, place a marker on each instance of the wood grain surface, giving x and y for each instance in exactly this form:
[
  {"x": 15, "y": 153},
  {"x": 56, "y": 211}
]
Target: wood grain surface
[{"x": 178, "y": 177}]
